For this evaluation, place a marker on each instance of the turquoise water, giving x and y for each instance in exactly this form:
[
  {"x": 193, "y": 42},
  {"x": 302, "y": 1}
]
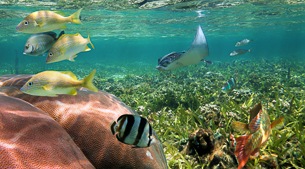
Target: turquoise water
[
  {"x": 129, "y": 42},
  {"x": 124, "y": 37}
]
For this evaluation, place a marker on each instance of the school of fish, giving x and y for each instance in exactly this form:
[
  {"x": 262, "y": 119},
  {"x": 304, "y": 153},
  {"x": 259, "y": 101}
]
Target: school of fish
[{"x": 128, "y": 129}]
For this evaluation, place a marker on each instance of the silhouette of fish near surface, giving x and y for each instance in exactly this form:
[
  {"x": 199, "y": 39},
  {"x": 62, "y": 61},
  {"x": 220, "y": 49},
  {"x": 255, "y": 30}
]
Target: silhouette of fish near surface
[
  {"x": 198, "y": 51},
  {"x": 259, "y": 130}
]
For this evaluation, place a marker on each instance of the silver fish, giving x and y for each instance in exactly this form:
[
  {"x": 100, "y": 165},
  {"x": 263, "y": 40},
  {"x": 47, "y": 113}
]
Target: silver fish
[
  {"x": 40, "y": 43},
  {"x": 133, "y": 130},
  {"x": 197, "y": 52},
  {"x": 243, "y": 42},
  {"x": 239, "y": 52}
]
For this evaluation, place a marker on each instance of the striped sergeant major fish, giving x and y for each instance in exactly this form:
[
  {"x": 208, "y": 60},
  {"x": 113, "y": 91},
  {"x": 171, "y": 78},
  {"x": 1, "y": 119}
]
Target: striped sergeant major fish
[
  {"x": 230, "y": 84},
  {"x": 133, "y": 130}
]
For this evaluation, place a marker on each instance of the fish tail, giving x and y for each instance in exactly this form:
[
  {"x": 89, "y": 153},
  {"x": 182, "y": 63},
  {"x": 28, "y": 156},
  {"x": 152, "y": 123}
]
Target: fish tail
[
  {"x": 75, "y": 17},
  {"x": 242, "y": 154},
  {"x": 87, "y": 81},
  {"x": 90, "y": 41}
]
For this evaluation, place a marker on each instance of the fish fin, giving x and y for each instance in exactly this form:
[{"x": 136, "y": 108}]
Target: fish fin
[
  {"x": 87, "y": 49},
  {"x": 75, "y": 17},
  {"x": 53, "y": 34},
  {"x": 240, "y": 126},
  {"x": 255, "y": 110},
  {"x": 90, "y": 41},
  {"x": 87, "y": 81},
  {"x": 113, "y": 125},
  {"x": 72, "y": 58},
  {"x": 47, "y": 87},
  {"x": 60, "y": 34},
  {"x": 278, "y": 123},
  {"x": 39, "y": 24},
  {"x": 242, "y": 152},
  {"x": 71, "y": 74},
  {"x": 73, "y": 92}
]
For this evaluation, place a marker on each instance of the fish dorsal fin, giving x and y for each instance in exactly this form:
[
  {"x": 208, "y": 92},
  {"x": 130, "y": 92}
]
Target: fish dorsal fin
[
  {"x": 255, "y": 121},
  {"x": 255, "y": 110},
  {"x": 60, "y": 34},
  {"x": 77, "y": 34},
  {"x": 52, "y": 34},
  {"x": 71, "y": 74},
  {"x": 240, "y": 126},
  {"x": 278, "y": 123}
]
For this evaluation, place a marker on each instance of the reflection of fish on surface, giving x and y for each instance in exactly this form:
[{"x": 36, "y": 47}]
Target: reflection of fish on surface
[
  {"x": 230, "y": 84},
  {"x": 87, "y": 118},
  {"x": 239, "y": 52},
  {"x": 45, "y": 21},
  {"x": 38, "y": 44},
  {"x": 133, "y": 130},
  {"x": 198, "y": 51},
  {"x": 259, "y": 129},
  {"x": 67, "y": 47},
  {"x": 52, "y": 83},
  {"x": 243, "y": 42}
]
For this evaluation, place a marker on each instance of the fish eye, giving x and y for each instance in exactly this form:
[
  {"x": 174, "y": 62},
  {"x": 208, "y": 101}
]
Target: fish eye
[
  {"x": 50, "y": 54},
  {"x": 30, "y": 83},
  {"x": 27, "y": 46},
  {"x": 26, "y": 22}
]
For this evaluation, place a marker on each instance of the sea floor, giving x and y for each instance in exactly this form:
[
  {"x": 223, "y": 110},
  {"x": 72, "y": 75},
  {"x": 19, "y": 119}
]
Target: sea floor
[{"x": 188, "y": 109}]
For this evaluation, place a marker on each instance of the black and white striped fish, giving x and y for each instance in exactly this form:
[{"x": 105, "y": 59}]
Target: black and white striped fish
[{"x": 133, "y": 130}]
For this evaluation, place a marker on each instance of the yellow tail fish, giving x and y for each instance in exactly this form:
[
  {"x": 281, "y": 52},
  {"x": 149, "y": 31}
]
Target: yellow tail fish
[
  {"x": 67, "y": 47},
  {"x": 52, "y": 83},
  {"x": 259, "y": 129},
  {"x": 45, "y": 21}
]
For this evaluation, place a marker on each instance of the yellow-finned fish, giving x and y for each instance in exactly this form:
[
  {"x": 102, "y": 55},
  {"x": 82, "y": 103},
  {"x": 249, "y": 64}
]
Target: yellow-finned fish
[
  {"x": 45, "y": 21},
  {"x": 52, "y": 83},
  {"x": 259, "y": 130},
  {"x": 67, "y": 47}
]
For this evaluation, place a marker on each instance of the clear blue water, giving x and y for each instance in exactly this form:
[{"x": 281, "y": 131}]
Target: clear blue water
[{"x": 131, "y": 37}]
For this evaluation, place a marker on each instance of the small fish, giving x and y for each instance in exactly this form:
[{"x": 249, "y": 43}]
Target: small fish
[
  {"x": 259, "y": 129},
  {"x": 45, "y": 21},
  {"x": 67, "y": 47},
  {"x": 197, "y": 52},
  {"x": 133, "y": 130},
  {"x": 239, "y": 52},
  {"x": 242, "y": 42},
  {"x": 230, "y": 84},
  {"x": 38, "y": 44},
  {"x": 52, "y": 83}
]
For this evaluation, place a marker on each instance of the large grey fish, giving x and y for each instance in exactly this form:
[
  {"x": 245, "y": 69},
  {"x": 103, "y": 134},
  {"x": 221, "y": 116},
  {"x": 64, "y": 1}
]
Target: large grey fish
[
  {"x": 40, "y": 43},
  {"x": 133, "y": 130},
  {"x": 197, "y": 52}
]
